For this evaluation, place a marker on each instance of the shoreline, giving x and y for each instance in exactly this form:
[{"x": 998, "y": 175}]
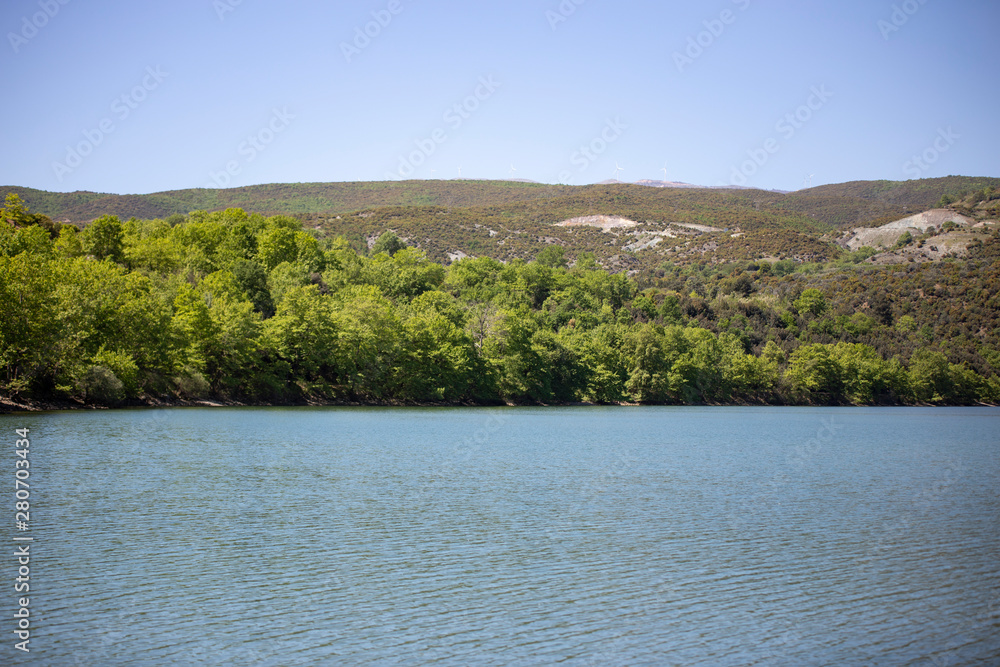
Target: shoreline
[{"x": 27, "y": 406}]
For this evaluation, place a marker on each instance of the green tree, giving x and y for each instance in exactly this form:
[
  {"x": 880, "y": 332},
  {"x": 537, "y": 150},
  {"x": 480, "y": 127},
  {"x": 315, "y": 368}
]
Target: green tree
[
  {"x": 814, "y": 373},
  {"x": 152, "y": 246},
  {"x": 811, "y": 301},
  {"x": 649, "y": 377},
  {"x": 31, "y": 239},
  {"x": 308, "y": 253},
  {"x": 865, "y": 374},
  {"x": 276, "y": 245},
  {"x": 439, "y": 358},
  {"x": 743, "y": 374},
  {"x": 370, "y": 342},
  {"x": 236, "y": 329},
  {"x": 604, "y": 360},
  {"x": 644, "y": 304},
  {"x": 68, "y": 244},
  {"x": 696, "y": 375},
  {"x": 252, "y": 280},
  {"x": 552, "y": 256},
  {"x": 15, "y": 211},
  {"x": 558, "y": 377},
  {"x": 104, "y": 239},
  {"x": 195, "y": 332},
  {"x": 670, "y": 310},
  {"x": 407, "y": 274},
  {"x": 305, "y": 332},
  {"x": 285, "y": 277},
  {"x": 388, "y": 243},
  {"x": 906, "y": 323},
  {"x": 930, "y": 376},
  {"x": 102, "y": 309},
  {"x": 475, "y": 279},
  {"x": 29, "y": 329}
]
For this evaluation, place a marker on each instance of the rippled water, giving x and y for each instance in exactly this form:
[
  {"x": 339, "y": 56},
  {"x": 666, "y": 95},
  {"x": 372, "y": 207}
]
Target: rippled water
[{"x": 585, "y": 536}]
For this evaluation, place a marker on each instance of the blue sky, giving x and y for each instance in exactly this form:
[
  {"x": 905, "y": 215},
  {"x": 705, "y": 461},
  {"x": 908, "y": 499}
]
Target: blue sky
[{"x": 129, "y": 97}]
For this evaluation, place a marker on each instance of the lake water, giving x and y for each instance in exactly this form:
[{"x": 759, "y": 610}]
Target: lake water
[{"x": 511, "y": 536}]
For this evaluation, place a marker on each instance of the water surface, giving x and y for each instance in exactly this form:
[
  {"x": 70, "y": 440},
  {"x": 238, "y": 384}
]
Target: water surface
[{"x": 515, "y": 536}]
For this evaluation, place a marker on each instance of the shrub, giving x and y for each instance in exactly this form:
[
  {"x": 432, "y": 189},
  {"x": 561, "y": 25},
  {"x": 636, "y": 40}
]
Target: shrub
[{"x": 100, "y": 385}]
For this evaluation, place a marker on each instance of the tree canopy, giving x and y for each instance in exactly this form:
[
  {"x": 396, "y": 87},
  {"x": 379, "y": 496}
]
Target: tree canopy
[{"x": 241, "y": 307}]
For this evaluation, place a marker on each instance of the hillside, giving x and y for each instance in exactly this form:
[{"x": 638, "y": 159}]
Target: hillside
[
  {"x": 848, "y": 204},
  {"x": 872, "y": 203},
  {"x": 511, "y": 220},
  {"x": 285, "y": 198},
  {"x": 674, "y": 297}
]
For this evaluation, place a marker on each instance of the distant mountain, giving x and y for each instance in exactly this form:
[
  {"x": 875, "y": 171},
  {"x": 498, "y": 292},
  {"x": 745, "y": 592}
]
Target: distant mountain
[
  {"x": 678, "y": 184},
  {"x": 284, "y": 198},
  {"x": 668, "y": 184},
  {"x": 841, "y": 206}
]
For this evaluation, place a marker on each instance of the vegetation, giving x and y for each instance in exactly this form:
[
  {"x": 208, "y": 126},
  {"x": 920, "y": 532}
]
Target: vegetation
[{"x": 240, "y": 307}]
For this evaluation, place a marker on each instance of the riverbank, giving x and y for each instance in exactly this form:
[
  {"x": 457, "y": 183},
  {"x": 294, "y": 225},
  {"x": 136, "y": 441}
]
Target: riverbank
[
  {"x": 16, "y": 405},
  {"x": 20, "y": 405}
]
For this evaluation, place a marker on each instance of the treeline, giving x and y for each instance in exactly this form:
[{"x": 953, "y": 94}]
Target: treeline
[
  {"x": 296, "y": 198},
  {"x": 238, "y": 307}
]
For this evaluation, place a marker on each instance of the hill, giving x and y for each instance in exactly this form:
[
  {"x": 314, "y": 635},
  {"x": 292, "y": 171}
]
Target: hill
[
  {"x": 858, "y": 203},
  {"x": 645, "y": 295},
  {"x": 510, "y": 220},
  {"x": 280, "y": 198},
  {"x": 873, "y": 203}
]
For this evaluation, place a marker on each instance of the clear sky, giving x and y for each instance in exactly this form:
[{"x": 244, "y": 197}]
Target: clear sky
[{"x": 130, "y": 97}]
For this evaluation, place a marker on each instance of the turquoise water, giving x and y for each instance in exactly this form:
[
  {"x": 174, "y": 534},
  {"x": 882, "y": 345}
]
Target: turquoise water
[{"x": 513, "y": 536}]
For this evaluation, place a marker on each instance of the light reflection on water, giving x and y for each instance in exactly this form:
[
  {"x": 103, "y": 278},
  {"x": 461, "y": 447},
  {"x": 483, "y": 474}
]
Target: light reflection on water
[{"x": 591, "y": 536}]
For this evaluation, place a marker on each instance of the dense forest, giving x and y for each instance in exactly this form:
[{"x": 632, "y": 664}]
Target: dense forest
[{"x": 242, "y": 308}]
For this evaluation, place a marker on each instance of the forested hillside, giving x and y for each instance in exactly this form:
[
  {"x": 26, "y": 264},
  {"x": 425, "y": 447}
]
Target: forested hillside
[
  {"x": 846, "y": 204},
  {"x": 238, "y": 307},
  {"x": 287, "y": 198}
]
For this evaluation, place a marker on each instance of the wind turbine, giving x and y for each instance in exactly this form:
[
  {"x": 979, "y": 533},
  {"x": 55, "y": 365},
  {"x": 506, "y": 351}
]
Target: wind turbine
[
  {"x": 664, "y": 170},
  {"x": 512, "y": 169},
  {"x": 617, "y": 169},
  {"x": 460, "y": 172}
]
